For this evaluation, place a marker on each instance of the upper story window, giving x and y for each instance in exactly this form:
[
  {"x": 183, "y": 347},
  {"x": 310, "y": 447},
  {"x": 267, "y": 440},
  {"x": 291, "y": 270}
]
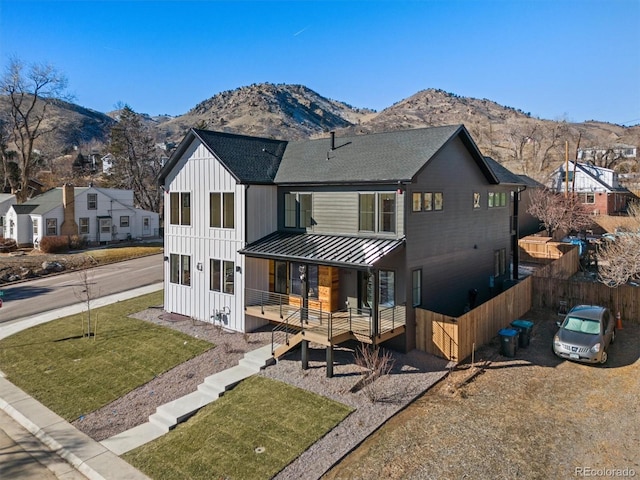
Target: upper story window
[
  {"x": 497, "y": 199},
  {"x": 427, "y": 201},
  {"x": 567, "y": 178},
  {"x": 221, "y": 209},
  {"x": 377, "y": 216},
  {"x": 298, "y": 210},
  {"x": 180, "y": 208},
  {"x": 92, "y": 201}
]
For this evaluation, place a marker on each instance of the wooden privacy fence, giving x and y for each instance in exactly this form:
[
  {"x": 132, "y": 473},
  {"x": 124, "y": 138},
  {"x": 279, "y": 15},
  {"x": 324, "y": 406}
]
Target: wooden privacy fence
[
  {"x": 454, "y": 337},
  {"x": 550, "y": 291}
]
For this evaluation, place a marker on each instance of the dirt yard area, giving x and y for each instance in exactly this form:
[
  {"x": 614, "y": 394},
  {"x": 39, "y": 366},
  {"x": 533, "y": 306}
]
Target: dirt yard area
[{"x": 534, "y": 416}]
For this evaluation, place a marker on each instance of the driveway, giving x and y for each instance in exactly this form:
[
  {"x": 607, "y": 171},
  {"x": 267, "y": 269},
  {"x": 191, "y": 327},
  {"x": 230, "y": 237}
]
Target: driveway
[{"x": 534, "y": 416}]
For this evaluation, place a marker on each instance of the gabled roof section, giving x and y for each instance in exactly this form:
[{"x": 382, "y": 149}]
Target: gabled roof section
[
  {"x": 47, "y": 201},
  {"x": 336, "y": 250},
  {"x": 503, "y": 175},
  {"x": 375, "y": 158},
  {"x": 250, "y": 160}
]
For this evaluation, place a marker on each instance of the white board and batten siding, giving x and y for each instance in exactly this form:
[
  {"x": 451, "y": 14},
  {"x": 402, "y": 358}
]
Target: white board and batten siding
[{"x": 199, "y": 173}]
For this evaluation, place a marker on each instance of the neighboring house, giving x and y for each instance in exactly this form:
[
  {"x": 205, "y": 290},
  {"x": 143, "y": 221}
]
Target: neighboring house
[
  {"x": 107, "y": 163},
  {"x": 596, "y": 187},
  {"x": 98, "y": 214},
  {"x": 333, "y": 232},
  {"x": 617, "y": 150},
  {"x": 6, "y": 200}
]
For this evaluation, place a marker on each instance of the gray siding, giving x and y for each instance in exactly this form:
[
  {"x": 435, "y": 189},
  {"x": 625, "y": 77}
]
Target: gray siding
[
  {"x": 335, "y": 209},
  {"x": 455, "y": 247}
]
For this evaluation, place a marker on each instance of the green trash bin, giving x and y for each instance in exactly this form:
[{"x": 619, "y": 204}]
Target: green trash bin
[
  {"x": 508, "y": 341},
  {"x": 524, "y": 328}
]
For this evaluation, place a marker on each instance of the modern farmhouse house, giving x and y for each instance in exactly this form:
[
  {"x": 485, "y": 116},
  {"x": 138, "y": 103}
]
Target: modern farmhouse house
[
  {"x": 596, "y": 187},
  {"x": 98, "y": 214},
  {"x": 340, "y": 237}
]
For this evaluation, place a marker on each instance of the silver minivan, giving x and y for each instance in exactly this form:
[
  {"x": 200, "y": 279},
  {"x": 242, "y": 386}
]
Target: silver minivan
[{"x": 585, "y": 334}]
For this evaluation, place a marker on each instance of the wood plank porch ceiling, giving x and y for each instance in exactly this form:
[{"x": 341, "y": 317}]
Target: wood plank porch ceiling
[{"x": 335, "y": 250}]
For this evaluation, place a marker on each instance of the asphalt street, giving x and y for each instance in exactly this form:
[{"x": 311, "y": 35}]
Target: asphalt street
[{"x": 29, "y": 298}]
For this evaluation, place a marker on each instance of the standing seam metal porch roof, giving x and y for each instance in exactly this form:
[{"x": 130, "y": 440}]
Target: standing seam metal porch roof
[{"x": 337, "y": 250}]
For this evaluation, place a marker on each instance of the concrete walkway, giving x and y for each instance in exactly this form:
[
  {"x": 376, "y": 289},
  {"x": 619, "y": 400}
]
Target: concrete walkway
[{"x": 99, "y": 460}]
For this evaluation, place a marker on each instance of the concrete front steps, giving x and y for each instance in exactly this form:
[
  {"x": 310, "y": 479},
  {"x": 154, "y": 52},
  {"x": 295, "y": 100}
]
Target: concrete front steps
[{"x": 170, "y": 414}]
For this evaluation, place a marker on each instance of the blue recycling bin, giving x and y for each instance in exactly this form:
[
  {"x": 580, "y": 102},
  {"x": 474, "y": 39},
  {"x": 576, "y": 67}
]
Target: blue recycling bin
[
  {"x": 508, "y": 341},
  {"x": 524, "y": 328}
]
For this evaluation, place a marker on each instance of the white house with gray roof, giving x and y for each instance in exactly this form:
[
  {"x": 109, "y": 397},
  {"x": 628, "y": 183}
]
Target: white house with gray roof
[
  {"x": 336, "y": 238},
  {"x": 100, "y": 215}
]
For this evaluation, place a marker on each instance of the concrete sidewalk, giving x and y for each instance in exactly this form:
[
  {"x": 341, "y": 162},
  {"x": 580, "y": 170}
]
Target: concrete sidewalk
[{"x": 89, "y": 457}]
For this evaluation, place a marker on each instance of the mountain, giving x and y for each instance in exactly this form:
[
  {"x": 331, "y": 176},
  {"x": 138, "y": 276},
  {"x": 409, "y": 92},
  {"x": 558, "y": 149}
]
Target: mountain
[
  {"x": 291, "y": 112},
  {"x": 523, "y": 143}
]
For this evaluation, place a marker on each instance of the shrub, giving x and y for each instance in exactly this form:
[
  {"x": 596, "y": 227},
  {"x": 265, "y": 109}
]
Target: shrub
[
  {"x": 55, "y": 244},
  {"x": 77, "y": 242}
]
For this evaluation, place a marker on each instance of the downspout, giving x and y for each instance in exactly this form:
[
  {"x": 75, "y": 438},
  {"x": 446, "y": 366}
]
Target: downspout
[{"x": 515, "y": 248}]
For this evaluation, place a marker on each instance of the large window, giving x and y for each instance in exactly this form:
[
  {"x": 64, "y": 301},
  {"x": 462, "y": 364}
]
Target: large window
[
  {"x": 84, "y": 225},
  {"x": 222, "y": 276},
  {"x": 295, "y": 285},
  {"x": 281, "y": 278},
  {"x": 367, "y": 214},
  {"x": 92, "y": 201},
  {"x": 377, "y": 216},
  {"x": 387, "y": 213},
  {"x": 180, "y": 208},
  {"x": 387, "y": 288},
  {"x": 180, "y": 269},
  {"x": 297, "y": 210},
  {"x": 52, "y": 226},
  {"x": 416, "y": 287},
  {"x": 221, "y": 209},
  {"x": 500, "y": 262}
]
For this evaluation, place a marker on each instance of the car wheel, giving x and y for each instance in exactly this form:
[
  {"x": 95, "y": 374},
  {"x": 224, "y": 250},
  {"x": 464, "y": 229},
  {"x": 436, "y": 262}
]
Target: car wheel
[{"x": 603, "y": 358}]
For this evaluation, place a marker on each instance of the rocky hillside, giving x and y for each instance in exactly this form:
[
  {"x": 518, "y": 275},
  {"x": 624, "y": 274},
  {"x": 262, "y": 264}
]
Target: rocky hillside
[{"x": 523, "y": 143}]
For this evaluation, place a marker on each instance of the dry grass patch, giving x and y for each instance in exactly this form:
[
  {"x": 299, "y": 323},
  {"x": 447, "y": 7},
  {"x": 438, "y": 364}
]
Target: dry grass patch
[
  {"x": 253, "y": 431},
  {"x": 73, "y": 374}
]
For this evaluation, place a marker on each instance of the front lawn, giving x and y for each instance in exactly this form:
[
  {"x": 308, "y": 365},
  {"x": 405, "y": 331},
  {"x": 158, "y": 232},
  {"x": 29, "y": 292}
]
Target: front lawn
[
  {"x": 74, "y": 374},
  {"x": 252, "y": 432}
]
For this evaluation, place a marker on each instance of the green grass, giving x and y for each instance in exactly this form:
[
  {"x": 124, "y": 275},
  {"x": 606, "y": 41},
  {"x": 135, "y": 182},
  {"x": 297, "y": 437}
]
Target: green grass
[
  {"x": 220, "y": 441},
  {"x": 118, "y": 254},
  {"x": 75, "y": 375}
]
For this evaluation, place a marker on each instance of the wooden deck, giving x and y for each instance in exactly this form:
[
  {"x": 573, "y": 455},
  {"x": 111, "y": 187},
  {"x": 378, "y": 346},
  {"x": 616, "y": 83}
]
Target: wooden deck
[{"x": 328, "y": 328}]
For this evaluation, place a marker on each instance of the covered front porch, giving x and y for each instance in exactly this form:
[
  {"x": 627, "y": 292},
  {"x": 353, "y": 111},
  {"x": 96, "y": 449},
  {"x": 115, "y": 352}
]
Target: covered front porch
[{"x": 339, "y": 290}]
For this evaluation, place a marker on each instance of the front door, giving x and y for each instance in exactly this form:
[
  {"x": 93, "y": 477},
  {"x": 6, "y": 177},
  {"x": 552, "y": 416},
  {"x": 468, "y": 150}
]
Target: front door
[{"x": 104, "y": 229}]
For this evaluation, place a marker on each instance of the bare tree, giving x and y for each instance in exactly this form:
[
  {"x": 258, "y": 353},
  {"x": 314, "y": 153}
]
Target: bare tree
[
  {"x": 619, "y": 259},
  {"x": 30, "y": 91},
  {"x": 86, "y": 291},
  {"x": 559, "y": 213},
  {"x": 137, "y": 161}
]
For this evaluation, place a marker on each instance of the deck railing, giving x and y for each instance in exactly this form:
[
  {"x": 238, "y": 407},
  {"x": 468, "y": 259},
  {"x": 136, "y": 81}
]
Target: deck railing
[{"x": 295, "y": 317}]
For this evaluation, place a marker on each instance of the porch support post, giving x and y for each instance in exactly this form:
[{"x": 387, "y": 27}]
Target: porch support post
[
  {"x": 305, "y": 354},
  {"x": 376, "y": 304},
  {"x": 329, "y": 361}
]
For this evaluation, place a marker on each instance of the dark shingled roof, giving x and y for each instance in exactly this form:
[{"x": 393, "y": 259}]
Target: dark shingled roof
[
  {"x": 503, "y": 175},
  {"x": 379, "y": 157},
  {"x": 335, "y": 250},
  {"x": 248, "y": 159}
]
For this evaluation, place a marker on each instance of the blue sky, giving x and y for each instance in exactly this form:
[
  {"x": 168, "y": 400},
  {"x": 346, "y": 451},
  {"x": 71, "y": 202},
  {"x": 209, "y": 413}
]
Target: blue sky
[{"x": 571, "y": 59}]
